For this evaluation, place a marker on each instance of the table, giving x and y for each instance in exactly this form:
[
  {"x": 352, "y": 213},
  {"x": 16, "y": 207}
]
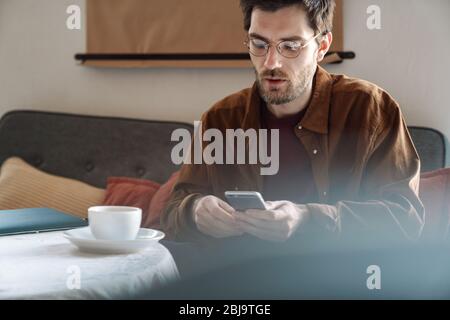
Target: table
[{"x": 48, "y": 266}]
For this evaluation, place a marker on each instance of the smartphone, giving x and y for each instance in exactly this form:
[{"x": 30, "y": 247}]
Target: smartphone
[{"x": 243, "y": 200}]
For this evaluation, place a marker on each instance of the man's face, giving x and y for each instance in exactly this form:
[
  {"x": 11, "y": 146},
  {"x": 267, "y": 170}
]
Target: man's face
[{"x": 281, "y": 80}]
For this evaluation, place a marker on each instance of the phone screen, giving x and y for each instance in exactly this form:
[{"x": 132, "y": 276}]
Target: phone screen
[{"x": 242, "y": 202}]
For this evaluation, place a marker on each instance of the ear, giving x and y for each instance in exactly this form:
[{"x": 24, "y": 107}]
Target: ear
[{"x": 324, "y": 46}]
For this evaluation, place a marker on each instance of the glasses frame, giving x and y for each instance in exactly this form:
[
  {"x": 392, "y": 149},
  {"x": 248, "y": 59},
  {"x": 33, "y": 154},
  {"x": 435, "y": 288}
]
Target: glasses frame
[{"x": 277, "y": 45}]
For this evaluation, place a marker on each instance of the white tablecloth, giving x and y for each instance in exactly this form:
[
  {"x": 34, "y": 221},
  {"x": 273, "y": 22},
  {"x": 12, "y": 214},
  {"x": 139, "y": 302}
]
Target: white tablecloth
[{"x": 47, "y": 266}]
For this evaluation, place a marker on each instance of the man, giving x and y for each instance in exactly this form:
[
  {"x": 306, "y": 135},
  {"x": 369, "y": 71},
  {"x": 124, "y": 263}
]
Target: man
[{"x": 347, "y": 163}]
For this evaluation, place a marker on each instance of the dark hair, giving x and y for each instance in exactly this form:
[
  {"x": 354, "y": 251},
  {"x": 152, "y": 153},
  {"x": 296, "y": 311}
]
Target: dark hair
[{"x": 320, "y": 12}]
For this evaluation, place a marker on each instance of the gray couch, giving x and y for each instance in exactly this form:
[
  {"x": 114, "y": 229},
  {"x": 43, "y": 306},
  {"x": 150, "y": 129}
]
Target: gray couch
[{"x": 92, "y": 148}]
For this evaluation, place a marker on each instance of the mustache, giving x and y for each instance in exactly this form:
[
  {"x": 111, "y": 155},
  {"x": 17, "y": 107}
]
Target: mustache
[{"x": 275, "y": 73}]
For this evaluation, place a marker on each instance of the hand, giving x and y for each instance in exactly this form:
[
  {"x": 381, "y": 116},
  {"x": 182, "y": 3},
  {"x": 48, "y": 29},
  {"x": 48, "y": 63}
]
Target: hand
[
  {"x": 278, "y": 223},
  {"x": 214, "y": 217}
]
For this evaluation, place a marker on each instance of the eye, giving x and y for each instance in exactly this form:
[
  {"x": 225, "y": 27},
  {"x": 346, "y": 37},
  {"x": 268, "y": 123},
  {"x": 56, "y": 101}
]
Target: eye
[
  {"x": 258, "y": 43},
  {"x": 290, "y": 45}
]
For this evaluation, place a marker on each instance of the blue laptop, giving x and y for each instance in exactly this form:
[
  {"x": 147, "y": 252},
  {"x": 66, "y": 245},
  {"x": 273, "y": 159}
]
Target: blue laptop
[{"x": 37, "y": 220}]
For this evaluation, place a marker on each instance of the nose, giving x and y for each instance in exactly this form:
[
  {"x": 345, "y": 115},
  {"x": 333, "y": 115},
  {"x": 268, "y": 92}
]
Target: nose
[{"x": 273, "y": 59}]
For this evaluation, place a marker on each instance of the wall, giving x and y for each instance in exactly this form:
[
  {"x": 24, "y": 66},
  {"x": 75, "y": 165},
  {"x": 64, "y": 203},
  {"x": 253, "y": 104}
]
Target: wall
[{"x": 408, "y": 57}]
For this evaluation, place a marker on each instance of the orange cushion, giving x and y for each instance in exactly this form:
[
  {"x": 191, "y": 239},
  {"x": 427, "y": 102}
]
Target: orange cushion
[
  {"x": 123, "y": 191},
  {"x": 148, "y": 195}
]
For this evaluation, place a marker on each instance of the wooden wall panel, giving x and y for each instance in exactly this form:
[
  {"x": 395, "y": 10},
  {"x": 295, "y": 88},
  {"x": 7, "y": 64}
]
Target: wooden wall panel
[{"x": 172, "y": 27}]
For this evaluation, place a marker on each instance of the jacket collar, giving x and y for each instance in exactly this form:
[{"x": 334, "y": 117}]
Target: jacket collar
[{"x": 316, "y": 116}]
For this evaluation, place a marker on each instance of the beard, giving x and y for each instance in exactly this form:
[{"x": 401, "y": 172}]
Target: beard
[{"x": 292, "y": 89}]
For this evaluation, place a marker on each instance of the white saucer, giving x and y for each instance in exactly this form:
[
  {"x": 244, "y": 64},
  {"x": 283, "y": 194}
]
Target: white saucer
[{"x": 85, "y": 241}]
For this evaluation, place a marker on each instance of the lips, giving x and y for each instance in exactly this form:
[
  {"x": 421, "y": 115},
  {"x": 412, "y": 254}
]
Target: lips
[{"x": 275, "y": 81}]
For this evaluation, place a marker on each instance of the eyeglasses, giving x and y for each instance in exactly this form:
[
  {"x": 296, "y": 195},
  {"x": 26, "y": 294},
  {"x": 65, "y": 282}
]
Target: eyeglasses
[{"x": 287, "y": 48}]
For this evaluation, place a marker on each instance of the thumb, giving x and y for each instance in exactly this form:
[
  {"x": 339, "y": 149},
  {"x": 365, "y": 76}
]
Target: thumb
[{"x": 225, "y": 206}]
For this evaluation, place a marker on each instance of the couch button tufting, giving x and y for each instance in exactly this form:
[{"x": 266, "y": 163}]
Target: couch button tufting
[
  {"x": 89, "y": 166},
  {"x": 140, "y": 171},
  {"x": 37, "y": 161}
]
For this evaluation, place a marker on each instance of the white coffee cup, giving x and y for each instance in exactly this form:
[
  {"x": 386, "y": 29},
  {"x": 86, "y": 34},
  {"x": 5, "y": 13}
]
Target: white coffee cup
[{"x": 114, "y": 222}]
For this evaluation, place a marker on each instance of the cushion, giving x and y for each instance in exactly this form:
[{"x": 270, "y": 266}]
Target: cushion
[
  {"x": 23, "y": 186},
  {"x": 434, "y": 191},
  {"x": 148, "y": 195},
  {"x": 123, "y": 191}
]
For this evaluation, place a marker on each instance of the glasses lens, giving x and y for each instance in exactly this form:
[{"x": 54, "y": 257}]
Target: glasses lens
[
  {"x": 290, "y": 49},
  {"x": 257, "y": 47}
]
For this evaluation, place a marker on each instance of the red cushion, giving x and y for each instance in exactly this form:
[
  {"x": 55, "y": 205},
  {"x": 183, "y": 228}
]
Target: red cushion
[
  {"x": 434, "y": 192},
  {"x": 148, "y": 195},
  {"x": 159, "y": 201},
  {"x": 122, "y": 191}
]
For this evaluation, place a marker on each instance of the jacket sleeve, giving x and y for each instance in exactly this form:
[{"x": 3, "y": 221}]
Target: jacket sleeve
[
  {"x": 388, "y": 207},
  {"x": 193, "y": 182}
]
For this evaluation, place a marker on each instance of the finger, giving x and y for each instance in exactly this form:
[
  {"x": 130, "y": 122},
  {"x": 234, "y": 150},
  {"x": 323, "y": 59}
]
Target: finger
[
  {"x": 214, "y": 205},
  {"x": 261, "y": 214},
  {"x": 216, "y": 231},
  {"x": 268, "y": 225},
  {"x": 266, "y": 215},
  {"x": 260, "y": 233},
  {"x": 272, "y": 205},
  {"x": 224, "y": 205},
  {"x": 212, "y": 219},
  {"x": 218, "y": 226},
  {"x": 210, "y": 232},
  {"x": 218, "y": 212}
]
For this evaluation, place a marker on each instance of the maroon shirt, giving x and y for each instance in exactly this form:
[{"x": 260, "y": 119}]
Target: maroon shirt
[{"x": 294, "y": 180}]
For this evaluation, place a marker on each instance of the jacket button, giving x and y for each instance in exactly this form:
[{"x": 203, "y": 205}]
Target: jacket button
[
  {"x": 315, "y": 151},
  {"x": 140, "y": 171}
]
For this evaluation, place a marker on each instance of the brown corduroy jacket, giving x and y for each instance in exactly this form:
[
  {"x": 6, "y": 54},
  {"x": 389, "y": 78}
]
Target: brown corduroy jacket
[{"x": 366, "y": 169}]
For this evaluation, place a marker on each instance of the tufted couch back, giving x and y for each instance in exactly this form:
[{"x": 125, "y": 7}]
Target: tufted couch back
[{"x": 90, "y": 148}]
